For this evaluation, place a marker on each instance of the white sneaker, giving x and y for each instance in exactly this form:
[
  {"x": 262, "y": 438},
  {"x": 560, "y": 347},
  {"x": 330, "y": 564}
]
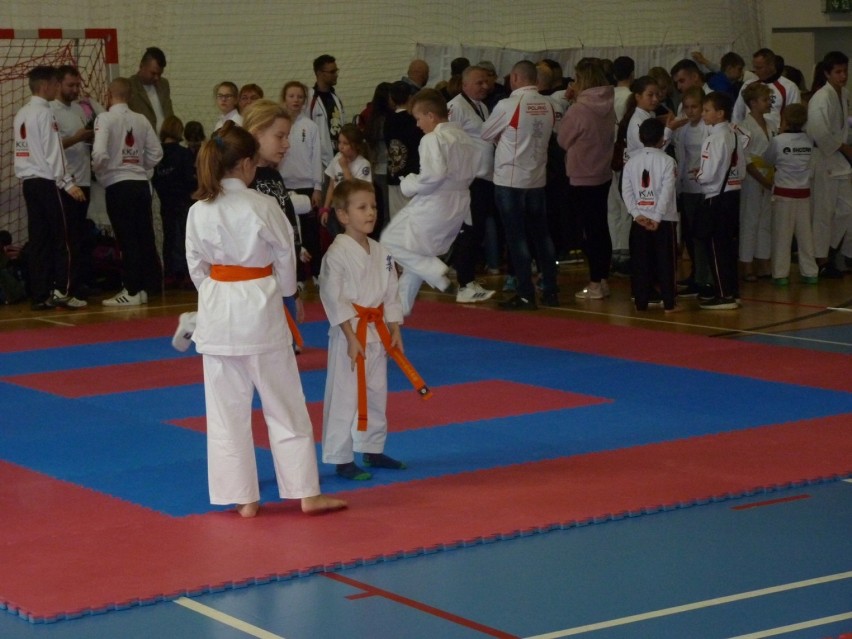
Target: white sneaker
[
  {"x": 66, "y": 301},
  {"x": 473, "y": 292},
  {"x": 143, "y": 295},
  {"x": 183, "y": 335},
  {"x": 124, "y": 299},
  {"x": 591, "y": 292}
]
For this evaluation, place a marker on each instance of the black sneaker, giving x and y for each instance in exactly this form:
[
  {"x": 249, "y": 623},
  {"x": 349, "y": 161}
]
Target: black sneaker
[
  {"x": 720, "y": 304},
  {"x": 550, "y": 299},
  {"x": 518, "y": 303},
  {"x": 352, "y": 471},
  {"x": 43, "y": 306},
  {"x": 380, "y": 460},
  {"x": 706, "y": 293},
  {"x": 688, "y": 292},
  {"x": 830, "y": 272}
]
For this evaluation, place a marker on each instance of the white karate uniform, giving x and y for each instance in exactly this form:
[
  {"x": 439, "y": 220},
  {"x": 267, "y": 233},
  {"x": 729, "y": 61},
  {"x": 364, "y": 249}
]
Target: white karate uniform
[
  {"x": 828, "y": 126},
  {"x": 243, "y": 335},
  {"x": 791, "y": 153},
  {"x": 784, "y": 92},
  {"x": 350, "y": 275},
  {"x": 440, "y": 201},
  {"x": 755, "y": 201},
  {"x": 301, "y": 167}
]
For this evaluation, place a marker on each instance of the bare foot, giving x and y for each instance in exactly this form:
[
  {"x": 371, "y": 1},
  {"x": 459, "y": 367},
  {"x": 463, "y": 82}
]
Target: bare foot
[
  {"x": 676, "y": 309},
  {"x": 248, "y": 510},
  {"x": 321, "y": 504}
]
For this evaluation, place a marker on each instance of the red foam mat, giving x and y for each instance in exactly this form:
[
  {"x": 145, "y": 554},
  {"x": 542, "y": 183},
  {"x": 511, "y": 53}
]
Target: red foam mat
[
  {"x": 772, "y": 363},
  {"x": 138, "y": 376},
  {"x": 113, "y": 554},
  {"x": 449, "y": 405}
]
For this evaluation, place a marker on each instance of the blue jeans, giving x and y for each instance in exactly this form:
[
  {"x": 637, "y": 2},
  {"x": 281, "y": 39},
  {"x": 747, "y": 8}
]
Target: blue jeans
[{"x": 524, "y": 216}]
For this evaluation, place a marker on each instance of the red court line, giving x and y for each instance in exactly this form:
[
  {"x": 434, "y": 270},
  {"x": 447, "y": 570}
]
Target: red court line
[
  {"x": 136, "y": 376},
  {"x": 789, "y": 365},
  {"x": 61, "y": 336},
  {"x": 771, "y": 502},
  {"x": 418, "y": 605},
  {"x": 450, "y": 405},
  {"x": 75, "y": 550}
]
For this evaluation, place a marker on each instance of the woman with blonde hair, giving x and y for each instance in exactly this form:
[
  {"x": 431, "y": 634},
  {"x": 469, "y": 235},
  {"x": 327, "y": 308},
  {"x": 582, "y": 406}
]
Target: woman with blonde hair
[{"x": 587, "y": 133}]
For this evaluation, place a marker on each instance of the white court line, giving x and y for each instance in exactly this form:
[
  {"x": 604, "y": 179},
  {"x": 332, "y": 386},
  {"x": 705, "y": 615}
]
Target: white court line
[
  {"x": 783, "y": 630},
  {"x": 698, "y": 605},
  {"x": 226, "y": 619}
]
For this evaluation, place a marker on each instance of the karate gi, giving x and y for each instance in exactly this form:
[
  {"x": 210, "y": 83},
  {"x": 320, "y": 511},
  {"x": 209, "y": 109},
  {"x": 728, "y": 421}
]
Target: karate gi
[
  {"x": 350, "y": 275},
  {"x": 755, "y": 201},
  {"x": 791, "y": 154},
  {"x": 828, "y": 126},
  {"x": 246, "y": 344},
  {"x": 440, "y": 202},
  {"x": 784, "y": 92}
]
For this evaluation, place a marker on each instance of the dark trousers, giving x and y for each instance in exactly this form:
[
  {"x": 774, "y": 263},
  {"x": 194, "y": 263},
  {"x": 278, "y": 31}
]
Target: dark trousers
[
  {"x": 49, "y": 248},
  {"x": 719, "y": 230},
  {"x": 653, "y": 255},
  {"x": 129, "y": 210},
  {"x": 470, "y": 237},
  {"x": 590, "y": 202},
  {"x": 80, "y": 263},
  {"x": 524, "y": 211},
  {"x": 309, "y": 223},
  {"x": 173, "y": 213}
]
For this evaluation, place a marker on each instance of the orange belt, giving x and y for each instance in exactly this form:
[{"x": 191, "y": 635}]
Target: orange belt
[
  {"x": 233, "y": 273},
  {"x": 230, "y": 273},
  {"x": 376, "y": 316}
]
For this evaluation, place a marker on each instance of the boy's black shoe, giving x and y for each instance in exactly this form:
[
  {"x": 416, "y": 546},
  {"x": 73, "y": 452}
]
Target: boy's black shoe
[
  {"x": 830, "y": 272},
  {"x": 518, "y": 303},
  {"x": 352, "y": 471},
  {"x": 380, "y": 460},
  {"x": 551, "y": 300}
]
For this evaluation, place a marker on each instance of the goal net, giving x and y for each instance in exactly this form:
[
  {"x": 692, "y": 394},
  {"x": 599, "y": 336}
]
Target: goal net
[{"x": 93, "y": 51}]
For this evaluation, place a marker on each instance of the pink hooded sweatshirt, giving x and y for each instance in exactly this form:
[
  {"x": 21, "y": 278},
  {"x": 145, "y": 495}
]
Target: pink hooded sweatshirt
[{"x": 587, "y": 133}]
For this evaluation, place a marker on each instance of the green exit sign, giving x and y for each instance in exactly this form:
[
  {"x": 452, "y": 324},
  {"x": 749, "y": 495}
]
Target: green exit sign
[{"x": 838, "y": 6}]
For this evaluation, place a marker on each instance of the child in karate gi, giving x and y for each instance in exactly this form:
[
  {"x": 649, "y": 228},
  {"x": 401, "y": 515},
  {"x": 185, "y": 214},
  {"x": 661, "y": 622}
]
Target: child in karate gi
[
  {"x": 240, "y": 254},
  {"x": 358, "y": 289},
  {"x": 428, "y": 225},
  {"x": 791, "y": 154}
]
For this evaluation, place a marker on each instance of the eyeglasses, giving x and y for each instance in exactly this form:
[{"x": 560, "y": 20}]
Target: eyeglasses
[{"x": 225, "y": 96}]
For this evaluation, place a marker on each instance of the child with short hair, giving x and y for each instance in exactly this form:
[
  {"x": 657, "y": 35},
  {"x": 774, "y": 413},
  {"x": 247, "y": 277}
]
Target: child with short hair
[
  {"x": 755, "y": 206},
  {"x": 358, "y": 289},
  {"x": 721, "y": 175},
  {"x": 240, "y": 253},
  {"x": 688, "y": 141},
  {"x": 649, "y": 193},
  {"x": 790, "y": 153},
  {"x": 440, "y": 199}
]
